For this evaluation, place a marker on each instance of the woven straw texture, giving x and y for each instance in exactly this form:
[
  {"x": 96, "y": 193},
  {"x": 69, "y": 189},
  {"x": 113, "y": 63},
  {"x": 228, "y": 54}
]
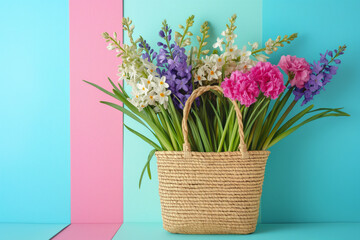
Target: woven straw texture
[{"x": 208, "y": 192}]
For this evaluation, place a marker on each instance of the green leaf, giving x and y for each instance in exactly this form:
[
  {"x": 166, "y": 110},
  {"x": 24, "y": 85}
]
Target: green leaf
[
  {"x": 273, "y": 115},
  {"x": 149, "y": 171},
  {"x": 127, "y": 112},
  {"x": 168, "y": 124},
  {"x": 332, "y": 109},
  {"x": 235, "y": 132},
  {"x": 202, "y": 132},
  {"x": 217, "y": 116},
  {"x": 123, "y": 97},
  {"x": 315, "y": 117},
  {"x": 225, "y": 129},
  {"x": 257, "y": 133},
  {"x": 293, "y": 120},
  {"x": 254, "y": 115},
  {"x": 205, "y": 118},
  {"x": 177, "y": 120},
  {"x": 128, "y": 104},
  {"x": 159, "y": 131},
  {"x": 101, "y": 89},
  {"x": 196, "y": 135},
  {"x": 114, "y": 86},
  {"x": 147, "y": 166},
  {"x": 157, "y": 147},
  {"x": 123, "y": 91}
]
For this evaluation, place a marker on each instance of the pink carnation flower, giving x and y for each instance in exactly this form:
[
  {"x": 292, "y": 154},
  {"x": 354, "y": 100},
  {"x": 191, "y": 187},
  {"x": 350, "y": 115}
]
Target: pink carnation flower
[
  {"x": 295, "y": 67},
  {"x": 241, "y": 87},
  {"x": 228, "y": 86},
  {"x": 269, "y": 79}
]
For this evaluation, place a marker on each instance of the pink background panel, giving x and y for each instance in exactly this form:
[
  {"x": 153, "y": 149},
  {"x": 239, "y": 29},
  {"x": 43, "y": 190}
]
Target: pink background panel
[{"x": 96, "y": 129}]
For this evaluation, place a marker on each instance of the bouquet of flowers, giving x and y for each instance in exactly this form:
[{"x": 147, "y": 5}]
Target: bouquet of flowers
[{"x": 163, "y": 77}]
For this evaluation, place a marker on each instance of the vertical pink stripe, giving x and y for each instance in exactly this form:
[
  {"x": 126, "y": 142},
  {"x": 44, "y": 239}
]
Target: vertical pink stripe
[{"x": 96, "y": 129}]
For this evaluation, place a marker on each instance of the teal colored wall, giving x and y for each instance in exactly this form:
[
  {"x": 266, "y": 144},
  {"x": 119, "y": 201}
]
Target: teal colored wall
[
  {"x": 34, "y": 119},
  {"x": 144, "y": 205},
  {"x": 313, "y": 175}
]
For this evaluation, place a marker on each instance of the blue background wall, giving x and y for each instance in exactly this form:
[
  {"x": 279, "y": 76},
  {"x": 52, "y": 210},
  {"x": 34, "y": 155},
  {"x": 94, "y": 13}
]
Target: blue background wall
[
  {"x": 34, "y": 122},
  {"x": 313, "y": 175}
]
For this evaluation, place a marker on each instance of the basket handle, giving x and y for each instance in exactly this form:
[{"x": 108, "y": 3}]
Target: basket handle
[{"x": 197, "y": 93}]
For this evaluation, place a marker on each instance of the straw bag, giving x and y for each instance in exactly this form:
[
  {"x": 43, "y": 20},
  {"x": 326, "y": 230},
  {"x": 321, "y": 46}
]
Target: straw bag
[{"x": 209, "y": 192}]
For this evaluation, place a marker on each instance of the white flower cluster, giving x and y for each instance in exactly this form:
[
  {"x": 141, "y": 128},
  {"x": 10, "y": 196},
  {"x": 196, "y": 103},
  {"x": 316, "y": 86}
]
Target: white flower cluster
[
  {"x": 272, "y": 46},
  {"x": 150, "y": 91},
  {"x": 236, "y": 59},
  {"x": 210, "y": 67},
  {"x": 132, "y": 67}
]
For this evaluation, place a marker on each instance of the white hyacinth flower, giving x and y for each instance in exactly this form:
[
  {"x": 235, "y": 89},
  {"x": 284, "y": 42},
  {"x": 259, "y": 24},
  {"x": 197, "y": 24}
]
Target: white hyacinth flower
[
  {"x": 199, "y": 78},
  {"x": 213, "y": 73},
  {"x": 162, "y": 96},
  {"x": 231, "y": 38},
  {"x": 142, "y": 88},
  {"x": 219, "y": 43},
  {"x": 261, "y": 57},
  {"x": 218, "y": 60},
  {"x": 269, "y": 45},
  {"x": 159, "y": 84},
  {"x": 244, "y": 54},
  {"x": 151, "y": 98},
  {"x": 254, "y": 45},
  {"x": 232, "y": 51}
]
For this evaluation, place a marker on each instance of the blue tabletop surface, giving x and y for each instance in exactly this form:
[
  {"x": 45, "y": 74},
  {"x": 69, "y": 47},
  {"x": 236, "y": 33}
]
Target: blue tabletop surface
[
  {"x": 16, "y": 231},
  {"x": 295, "y": 231}
]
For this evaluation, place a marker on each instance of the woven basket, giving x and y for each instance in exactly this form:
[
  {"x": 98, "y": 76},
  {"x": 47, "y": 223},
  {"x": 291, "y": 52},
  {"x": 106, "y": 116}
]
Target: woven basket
[{"x": 208, "y": 192}]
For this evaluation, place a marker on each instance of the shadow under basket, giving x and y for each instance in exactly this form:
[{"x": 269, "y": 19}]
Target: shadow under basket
[{"x": 210, "y": 192}]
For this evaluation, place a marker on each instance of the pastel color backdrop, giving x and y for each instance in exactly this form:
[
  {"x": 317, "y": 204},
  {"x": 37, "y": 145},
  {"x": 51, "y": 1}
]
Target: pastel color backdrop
[
  {"x": 144, "y": 205},
  {"x": 35, "y": 124},
  {"x": 35, "y": 112},
  {"x": 312, "y": 175},
  {"x": 96, "y": 130}
]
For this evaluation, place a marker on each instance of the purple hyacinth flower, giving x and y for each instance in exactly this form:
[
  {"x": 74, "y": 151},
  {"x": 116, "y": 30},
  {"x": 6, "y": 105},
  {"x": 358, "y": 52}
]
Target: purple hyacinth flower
[
  {"x": 322, "y": 73},
  {"x": 182, "y": 84},
  {"x": 175, "y": 68},
  {"x": 333, "y": 69}
]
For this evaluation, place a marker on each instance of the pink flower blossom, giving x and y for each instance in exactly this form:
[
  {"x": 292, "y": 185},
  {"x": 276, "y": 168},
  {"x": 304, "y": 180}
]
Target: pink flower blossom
[
  {"x": 228, "y": 86},
  {"x": 241, "y": 87},
  {"x": 298, "y": 70},
  {"x": 269, "y": 79}
]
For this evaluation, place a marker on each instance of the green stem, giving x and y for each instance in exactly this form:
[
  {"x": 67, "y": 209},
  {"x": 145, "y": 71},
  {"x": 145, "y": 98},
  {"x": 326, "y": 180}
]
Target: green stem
[
  {"x": 200, "y": 46},
  {"x": 168, "y": 45},
  {"x": 225, "y": 130},
  {"x": 117, "y": 44},
  {"x": 233, "y": 134},
  {"x": 288, "y": 110},
  {"x": 182, "y": 37},
  {"x": 272, "y": 116}
]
